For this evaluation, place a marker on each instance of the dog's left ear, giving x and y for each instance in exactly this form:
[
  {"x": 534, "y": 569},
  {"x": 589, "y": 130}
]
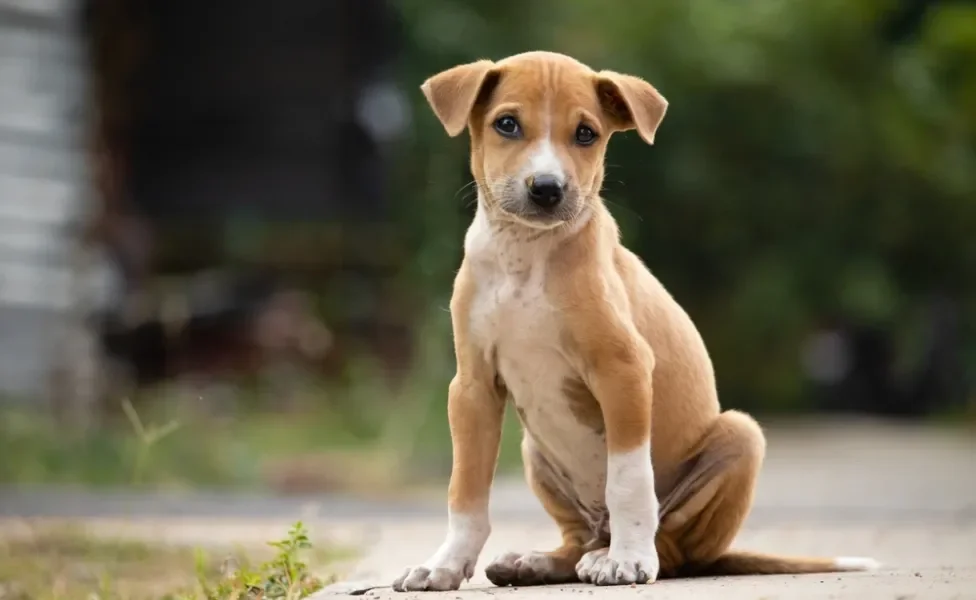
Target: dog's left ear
[
  {"x": 631, "y": 103},
  {"x": 453, "y": 93}
]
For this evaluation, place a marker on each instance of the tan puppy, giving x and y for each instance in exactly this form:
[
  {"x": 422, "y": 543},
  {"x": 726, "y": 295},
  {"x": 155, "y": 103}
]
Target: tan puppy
[{"x": 551, "y": 313}]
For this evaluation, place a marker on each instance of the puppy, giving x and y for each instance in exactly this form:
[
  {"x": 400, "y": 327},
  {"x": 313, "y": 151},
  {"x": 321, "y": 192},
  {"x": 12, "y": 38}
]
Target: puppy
[{"x": 552, "y": 314}]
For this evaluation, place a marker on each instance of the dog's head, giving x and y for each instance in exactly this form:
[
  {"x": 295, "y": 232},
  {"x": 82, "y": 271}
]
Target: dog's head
[{"x": 539, "y": 125}]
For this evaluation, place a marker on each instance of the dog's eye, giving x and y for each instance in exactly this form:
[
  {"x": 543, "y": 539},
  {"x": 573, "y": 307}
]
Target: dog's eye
[
  {"x": 508, "y": 127},
  {"x": 585, "y": 136}
]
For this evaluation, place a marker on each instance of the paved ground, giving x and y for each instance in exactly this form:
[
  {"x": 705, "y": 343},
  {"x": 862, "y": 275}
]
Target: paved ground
[{"x": 903, "y": 495}]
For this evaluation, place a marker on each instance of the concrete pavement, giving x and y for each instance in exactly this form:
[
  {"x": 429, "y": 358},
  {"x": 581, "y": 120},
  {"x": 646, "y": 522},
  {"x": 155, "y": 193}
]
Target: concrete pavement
[
  {"x": 905, "y": 495},
  {"x": 924, "y": 562}
]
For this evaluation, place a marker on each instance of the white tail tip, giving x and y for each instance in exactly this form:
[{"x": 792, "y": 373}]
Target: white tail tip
[{"x": 856, "y": 563}]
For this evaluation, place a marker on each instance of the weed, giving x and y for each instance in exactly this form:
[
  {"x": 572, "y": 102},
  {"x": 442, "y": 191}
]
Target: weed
[
  {"x": 66, "y": 564},
  {"x": 284, "y": 577},
  {"x": 147, "y": 438}
]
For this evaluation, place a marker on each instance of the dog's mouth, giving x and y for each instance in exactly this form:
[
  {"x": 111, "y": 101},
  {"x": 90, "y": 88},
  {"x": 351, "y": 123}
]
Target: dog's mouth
[
  {"x": 540, "y": 218},
  {"x": 514, "y": 203}
]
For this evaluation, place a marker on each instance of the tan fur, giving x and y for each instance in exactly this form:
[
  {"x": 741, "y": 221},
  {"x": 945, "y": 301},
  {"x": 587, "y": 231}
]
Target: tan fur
[
  {"x": 475, "y": 408},
  {"x": 554, "y": 314}
]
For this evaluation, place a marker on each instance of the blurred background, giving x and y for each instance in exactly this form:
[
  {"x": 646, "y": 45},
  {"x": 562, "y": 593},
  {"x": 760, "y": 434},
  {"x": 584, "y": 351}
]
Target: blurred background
[{"x": 228, "y": 231}]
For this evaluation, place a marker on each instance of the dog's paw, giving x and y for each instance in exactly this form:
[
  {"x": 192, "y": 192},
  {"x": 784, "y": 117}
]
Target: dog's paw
[
  {"x": 533, "y": 568},
  {"x": 604, "y": 567},
  {"x": 503, "y": 570},
  {"x": 425, "y": 579}
]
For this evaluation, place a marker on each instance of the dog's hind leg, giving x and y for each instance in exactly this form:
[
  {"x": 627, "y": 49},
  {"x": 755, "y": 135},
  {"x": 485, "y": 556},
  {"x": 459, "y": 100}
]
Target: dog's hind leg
[
  {"x": 701, "y": 516},
  {"x": 556, "y": 566},
  {"x": 707, "y": 507}
]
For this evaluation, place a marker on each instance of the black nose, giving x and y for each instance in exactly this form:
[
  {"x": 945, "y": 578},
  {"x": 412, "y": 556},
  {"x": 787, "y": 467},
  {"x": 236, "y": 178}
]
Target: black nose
[{"x": 545, "y": 191}]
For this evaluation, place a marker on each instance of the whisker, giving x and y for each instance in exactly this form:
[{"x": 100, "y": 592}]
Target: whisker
[
  {"x": 465, "y": 186},
  {"x": 626, "y": 208}
]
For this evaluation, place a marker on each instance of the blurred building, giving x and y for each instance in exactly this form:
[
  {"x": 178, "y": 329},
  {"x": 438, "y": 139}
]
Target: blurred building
[
  {"x": 42, "y": 184},
  {"x": 234, "y": 151}
]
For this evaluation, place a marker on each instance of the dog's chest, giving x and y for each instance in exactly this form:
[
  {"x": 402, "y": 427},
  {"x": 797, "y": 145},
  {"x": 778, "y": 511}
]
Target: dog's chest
[{"x": 517, "y": 328}]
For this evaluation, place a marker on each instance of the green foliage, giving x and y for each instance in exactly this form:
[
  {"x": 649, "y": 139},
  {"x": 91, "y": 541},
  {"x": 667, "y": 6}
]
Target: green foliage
[
  {"x": 284, "y": 577},
  {"x": 805, "y": 170},
  {"x": 367, "y": 435},
  {"x": 67, "y": 564}
]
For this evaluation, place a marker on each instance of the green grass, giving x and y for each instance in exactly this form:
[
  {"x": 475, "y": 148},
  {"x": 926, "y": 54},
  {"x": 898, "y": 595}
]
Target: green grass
[
  {"x": 66, "y": 564},
  {"x": 252, "y": 450},
  {"x": 364, "y": 435}
]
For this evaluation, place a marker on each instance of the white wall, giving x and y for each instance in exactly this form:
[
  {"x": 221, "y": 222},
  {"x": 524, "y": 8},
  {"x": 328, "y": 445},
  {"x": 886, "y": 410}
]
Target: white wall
[{"x": 42, "y": 185}]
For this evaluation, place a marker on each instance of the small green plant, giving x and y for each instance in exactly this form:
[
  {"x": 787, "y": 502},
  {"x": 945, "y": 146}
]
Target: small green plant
[
  {"x": 65, "y": 563},
  {"x": 148, "y": 437},
  {"x": 284, "y": 577}
]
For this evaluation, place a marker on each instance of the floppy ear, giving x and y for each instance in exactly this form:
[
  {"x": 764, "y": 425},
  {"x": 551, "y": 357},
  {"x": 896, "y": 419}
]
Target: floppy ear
[
  {"x": 453, "y": 93},
  {"x": 631, "y": 103}
]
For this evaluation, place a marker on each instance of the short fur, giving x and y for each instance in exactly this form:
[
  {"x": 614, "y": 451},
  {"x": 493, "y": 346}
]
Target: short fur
[{"x": 552, "y": 314}]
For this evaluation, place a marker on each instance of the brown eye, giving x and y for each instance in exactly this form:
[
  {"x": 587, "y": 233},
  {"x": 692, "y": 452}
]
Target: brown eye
[
  {"x": 508, "y": 127},
  {"x": 585, "y": 136}
]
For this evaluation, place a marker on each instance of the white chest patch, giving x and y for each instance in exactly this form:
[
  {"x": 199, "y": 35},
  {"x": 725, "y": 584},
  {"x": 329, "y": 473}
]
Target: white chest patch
[{"x": 516, "y": 327}]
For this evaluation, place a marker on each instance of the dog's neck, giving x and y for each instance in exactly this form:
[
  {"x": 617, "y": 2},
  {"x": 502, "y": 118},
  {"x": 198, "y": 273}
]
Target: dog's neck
[{"x": 514, "y": 247}]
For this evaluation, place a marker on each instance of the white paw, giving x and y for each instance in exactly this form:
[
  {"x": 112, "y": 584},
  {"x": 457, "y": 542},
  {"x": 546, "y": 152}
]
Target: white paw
[
  {"x": 439, "y": 579},
  {"x": 606, "y": 567}
]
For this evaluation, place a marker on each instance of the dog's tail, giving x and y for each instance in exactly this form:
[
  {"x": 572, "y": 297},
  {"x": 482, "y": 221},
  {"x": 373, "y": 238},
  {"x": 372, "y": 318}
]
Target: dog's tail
[{"x": 751, "y": 563}]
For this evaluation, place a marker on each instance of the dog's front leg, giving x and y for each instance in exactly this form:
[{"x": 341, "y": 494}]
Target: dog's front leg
[
  {"x": 475, "y": 411},
  {"x": 619, "y": 371}
]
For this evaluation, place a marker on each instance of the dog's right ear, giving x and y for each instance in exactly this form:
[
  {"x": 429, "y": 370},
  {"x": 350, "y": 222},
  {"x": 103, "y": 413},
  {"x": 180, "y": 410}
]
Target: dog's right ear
[
  {"x": 632, "y": 103},
  {"x": 453, "y": 93}
]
